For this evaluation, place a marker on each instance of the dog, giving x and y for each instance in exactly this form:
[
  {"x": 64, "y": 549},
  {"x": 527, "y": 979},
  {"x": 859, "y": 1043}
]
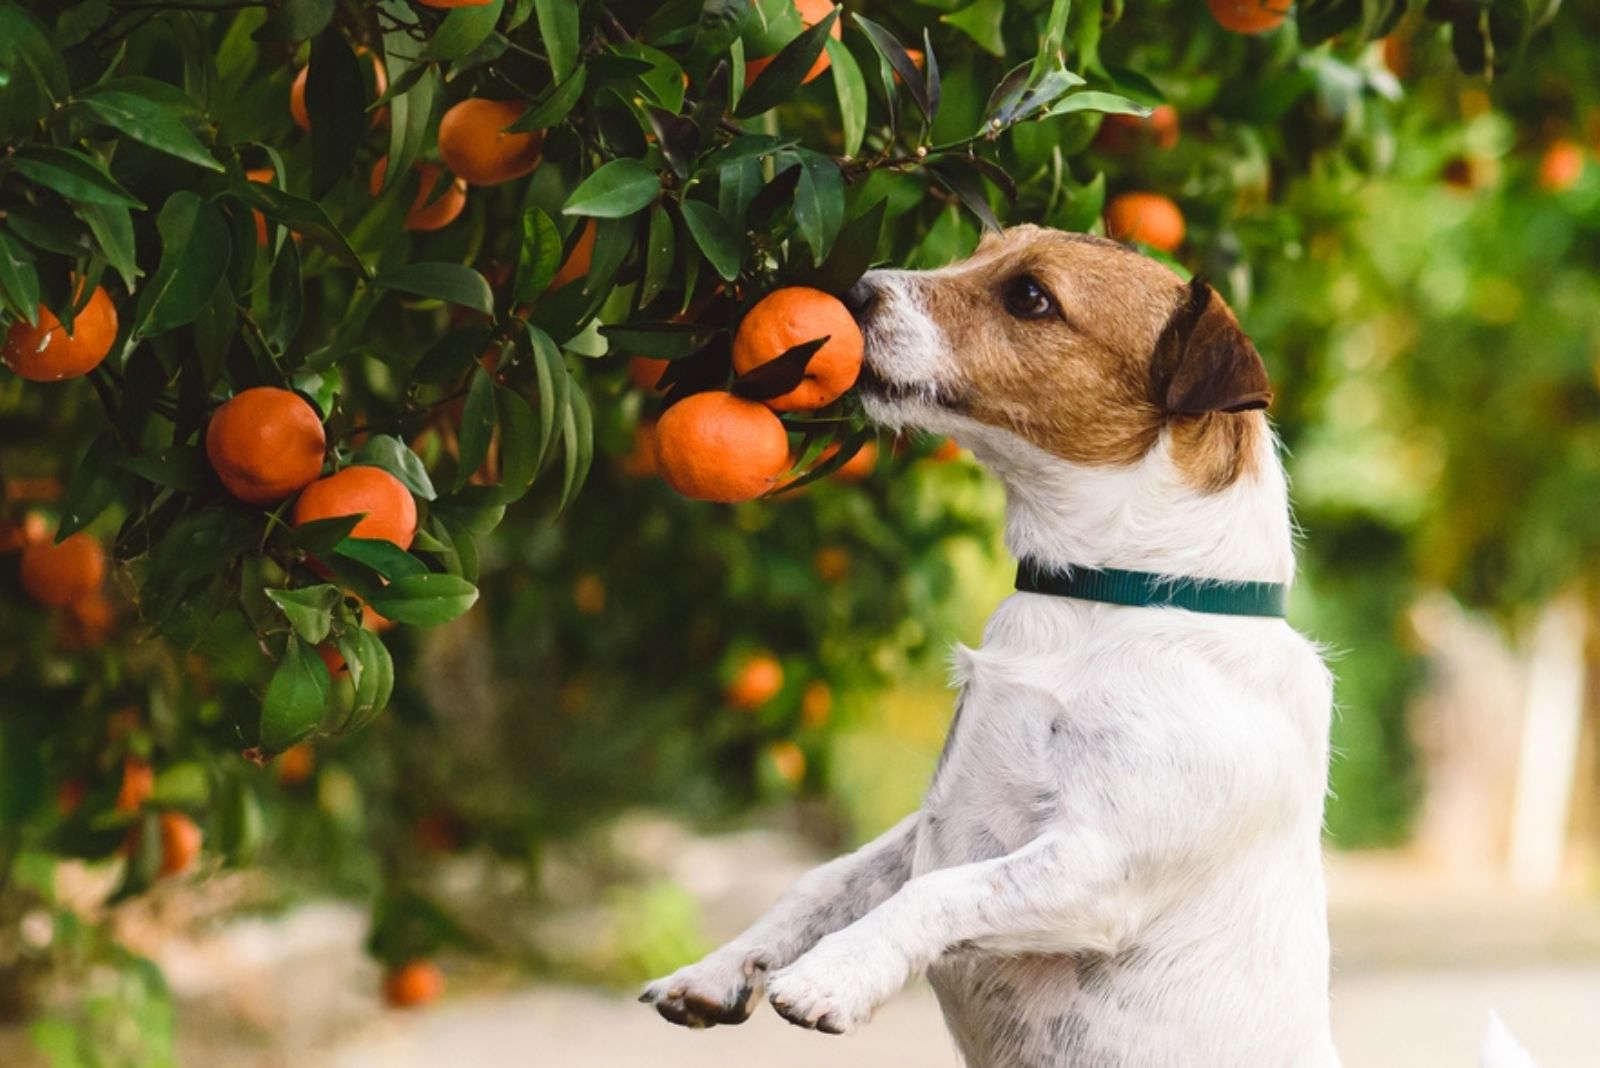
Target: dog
[{"x": 1118, "y": 861}]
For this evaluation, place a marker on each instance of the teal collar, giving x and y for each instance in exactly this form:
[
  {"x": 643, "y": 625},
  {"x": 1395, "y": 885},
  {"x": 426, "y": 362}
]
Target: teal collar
[{"x": 1147, "y": 589}]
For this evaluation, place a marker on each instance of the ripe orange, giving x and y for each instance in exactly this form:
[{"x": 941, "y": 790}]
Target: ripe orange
[
  {"x": 180, "y": 843},
  {"x": 816, "y": 704},
  {"x": 577, "y": 263},
  {"x": 640, "y": 460},
  {"x": 718, "y": 447},
  {"x": 18, "y": 534},
  {"x": 296, "y": 764},
  {"x": 264, "y": 175},
  {"x": 438, "y": 831},
  {"x": 265, "y": 443},
  {"x": 47, "y": 353},
  {"x": 387, "y": 509},
  {"x": 1561, "y": 165},
  {"x": 1121, "y": 133},
  {"x": 138, "y": 785},
  {"x": 426, "y": 214},
  {"x": 474, "y": 144},
  {"x": 1147, "y": 217},
  {"x": 297, "y": 92},
  {"x": 331, "y": 656},
  {"x": 589, "y": 594},
  {"x": 858, "y": 466},
  {"x": 811, "y": 13},
  {"x": 415, "y": 982},
  {"x": 645, "y": 372},
  {"x": 70, "y": 795},
  {"x": 87, "y": 622},
  {"x": 789, "y": 760},
  {"x": 831, "y": 563},
  {"x": 792, "y": 316},
  {"x": 947, "y": 452},
  {"x": 1249, "y": 16},
  {"x": 758, "y": 680},
  {"x": 58, "y": 575}
]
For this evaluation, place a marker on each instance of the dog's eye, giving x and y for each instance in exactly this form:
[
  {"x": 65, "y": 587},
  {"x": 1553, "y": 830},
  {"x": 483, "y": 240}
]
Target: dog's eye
[{"x": 1027, "y": 299}]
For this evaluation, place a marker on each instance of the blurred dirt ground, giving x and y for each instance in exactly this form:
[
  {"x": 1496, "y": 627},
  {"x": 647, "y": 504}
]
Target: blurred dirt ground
[{"x": 1420, "y": 960}]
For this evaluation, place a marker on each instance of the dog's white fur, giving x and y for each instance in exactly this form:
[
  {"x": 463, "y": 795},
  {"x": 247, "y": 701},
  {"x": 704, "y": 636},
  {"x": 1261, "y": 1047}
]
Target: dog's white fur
[{"x": 1118, "y": 862}]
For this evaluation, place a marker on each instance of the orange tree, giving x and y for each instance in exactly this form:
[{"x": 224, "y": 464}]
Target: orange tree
[{"x": 318, "y": 315}]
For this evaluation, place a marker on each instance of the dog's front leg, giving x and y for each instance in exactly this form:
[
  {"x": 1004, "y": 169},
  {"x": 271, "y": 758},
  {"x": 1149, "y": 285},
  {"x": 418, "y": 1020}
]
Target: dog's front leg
[
  {"x": 727, "y": 984},
  {"x": 1063, "y": 892}
]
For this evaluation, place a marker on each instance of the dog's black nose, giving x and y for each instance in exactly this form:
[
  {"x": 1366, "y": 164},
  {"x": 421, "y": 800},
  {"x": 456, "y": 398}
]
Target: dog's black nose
[{"x": 860, "y": 299}]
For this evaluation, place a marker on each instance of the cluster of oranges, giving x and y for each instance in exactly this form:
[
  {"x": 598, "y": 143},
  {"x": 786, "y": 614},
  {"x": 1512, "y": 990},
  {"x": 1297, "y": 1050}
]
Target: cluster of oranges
[
  {"x": 267, "y": 444},
  {"x": 1154, "y": 219},
  {"x": 717, "y": 446}
]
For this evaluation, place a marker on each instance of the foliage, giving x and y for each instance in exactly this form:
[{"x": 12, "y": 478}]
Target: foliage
[{"x": 614, "y": 612}]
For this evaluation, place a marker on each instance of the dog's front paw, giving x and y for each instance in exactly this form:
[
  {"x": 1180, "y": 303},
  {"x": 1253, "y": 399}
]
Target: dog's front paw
[
  {"x": 721, "y": 989},
  {"x": 833, "y": 988}
]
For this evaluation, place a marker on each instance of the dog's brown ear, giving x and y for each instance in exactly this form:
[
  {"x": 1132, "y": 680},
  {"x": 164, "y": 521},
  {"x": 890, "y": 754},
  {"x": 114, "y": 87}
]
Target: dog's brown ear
[{"x": 1203, "y": 361}]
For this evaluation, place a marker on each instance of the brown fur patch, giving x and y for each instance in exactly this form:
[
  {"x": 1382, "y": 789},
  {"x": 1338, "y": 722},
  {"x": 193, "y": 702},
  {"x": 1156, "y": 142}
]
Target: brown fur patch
[
  {"x": 1215, "y": 450},
  {"x": 1077, "y": 385}
]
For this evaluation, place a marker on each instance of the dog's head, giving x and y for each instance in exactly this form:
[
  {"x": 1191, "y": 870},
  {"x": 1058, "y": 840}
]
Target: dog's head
[{"x": 1076, "y": 345}]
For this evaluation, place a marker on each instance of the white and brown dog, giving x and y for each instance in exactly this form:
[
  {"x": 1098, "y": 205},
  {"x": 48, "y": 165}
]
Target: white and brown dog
[{"x": 1119, "y": 859}]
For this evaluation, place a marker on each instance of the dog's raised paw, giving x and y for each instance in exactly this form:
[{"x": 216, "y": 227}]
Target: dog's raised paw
[
  {"x": 805, "y": 1003},
  {"x": 721, "y": 989}
]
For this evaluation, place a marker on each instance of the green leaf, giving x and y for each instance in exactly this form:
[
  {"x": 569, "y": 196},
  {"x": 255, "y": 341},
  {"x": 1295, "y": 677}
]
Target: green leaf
[
  {"x": 819, "y": 203},
  {"x": 538, "y": 258},
  {"x": 297, "y": 20},
  {"x": 372, "y": 674},
  {"x": 179, "y": 467},
  {"x": 663, "y": 82},
  {"x": 384, "y": 557},
  {"x": 721, "y": 243},
  {"x": 91, "y": 488},
  {"x": 295, "y": 697},
  {"x": 322, "y": 535},
  {"x": 660, "y": 253},
  {"x": 577, "y": 445},
  {"x": 1094, "y": 100},
  {"x": 853, "y": 251},
  {"x": 411, "y": 118},
  {"x": 449, "y": 282},
  {"x": 309, "y": 609},
  {"x": 424, "y": 600},
  {"x": 551, "y": 373},
  {"x": 851, "y": 89},
  {"x": 19, "y": 282},
  {"x": 477, "y": 427},
  {"x": 463, "y": 30},
  {"x": 615, "y": 190},
  {"x": 558, "y": 25},
  {"x": 1055, "y": 35},
  {"x": 519, "y": 444},
  {"x": 299, "y": 215},
  {"x": 73, "y": 174},
  {"x": 112, "y": 227},
  {"x": 195, "y": 247},
  {"x": 149, "y": 122},
  {"x": 240, "y": 825},
  {"x": 395, "y": 456},
  {"x": 894, "y": 54},
  {"x": 780, "y": 78},
  {"x": 336, "y": 99},
  {"x": 555, "y": 106},
  {"x": 981, "y": 22},
  {"x": 661, "y": 341}
]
